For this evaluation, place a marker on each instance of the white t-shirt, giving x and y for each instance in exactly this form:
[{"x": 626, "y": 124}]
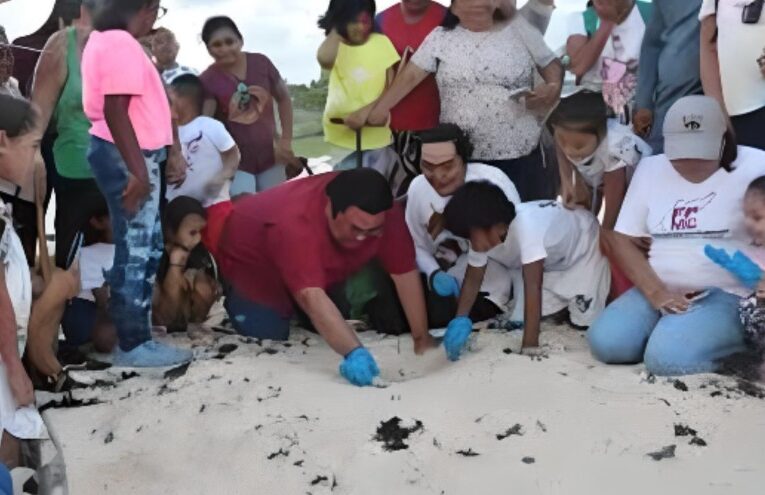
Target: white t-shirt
[
  {"x": 479, "y": 78},
  {"x": 621, "y": 149},
  {"x": 94, "y": 260},
  {"x": 739, "y": 46},
  {"x": 616, "y": 71},
  {"x": 425, "y": 207},
  {"x": 682, "y": 217},
  {"x": 202, "y": 141},
  {"x": 18, "y": 280},
  {"x": 544, "y": 230},
  {"x": 169, "y": 75}
]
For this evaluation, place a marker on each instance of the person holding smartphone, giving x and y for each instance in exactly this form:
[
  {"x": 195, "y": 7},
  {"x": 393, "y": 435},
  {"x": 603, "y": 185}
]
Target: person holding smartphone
[{"x": 732, "y": 42}]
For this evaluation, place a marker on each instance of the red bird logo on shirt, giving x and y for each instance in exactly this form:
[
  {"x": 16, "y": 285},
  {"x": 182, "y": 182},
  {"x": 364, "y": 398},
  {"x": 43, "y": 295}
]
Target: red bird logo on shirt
[{"x": 684, "y": 214}]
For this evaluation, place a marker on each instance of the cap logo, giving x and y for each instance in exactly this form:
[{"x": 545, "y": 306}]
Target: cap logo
[{"x": 692, "y": 122}]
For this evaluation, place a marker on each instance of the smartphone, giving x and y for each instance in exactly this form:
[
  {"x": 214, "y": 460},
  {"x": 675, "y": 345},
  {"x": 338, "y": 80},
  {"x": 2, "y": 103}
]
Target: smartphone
[
  {"x": 752, "y": 12},
  {"x": 697, "y": 296}
]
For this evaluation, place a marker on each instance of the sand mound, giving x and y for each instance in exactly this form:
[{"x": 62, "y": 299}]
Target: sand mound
[{"x": 275, "y": 418}]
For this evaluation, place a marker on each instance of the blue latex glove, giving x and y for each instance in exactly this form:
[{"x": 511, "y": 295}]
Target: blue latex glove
[
  {"x": 457, "y": 334},
  {"x": 359, "y": 367},
  {"x": 444, "y": 284},
  {"x": 740, "y": 265}
]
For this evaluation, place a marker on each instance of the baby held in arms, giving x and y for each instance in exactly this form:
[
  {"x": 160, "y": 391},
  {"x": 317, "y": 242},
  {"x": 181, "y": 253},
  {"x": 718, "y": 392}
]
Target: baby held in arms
[{"x": 749, "y": 268}]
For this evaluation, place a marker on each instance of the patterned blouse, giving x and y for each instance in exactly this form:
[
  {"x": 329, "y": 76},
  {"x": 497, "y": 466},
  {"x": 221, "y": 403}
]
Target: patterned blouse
[{"x": 480, "y": 77}]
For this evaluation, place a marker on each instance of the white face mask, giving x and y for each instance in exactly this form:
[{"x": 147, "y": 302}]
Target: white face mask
[{"x": 584, "y": 161}]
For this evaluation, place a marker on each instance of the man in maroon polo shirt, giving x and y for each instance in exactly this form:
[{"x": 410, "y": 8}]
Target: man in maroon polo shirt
[{"x": 285, "y": 247}]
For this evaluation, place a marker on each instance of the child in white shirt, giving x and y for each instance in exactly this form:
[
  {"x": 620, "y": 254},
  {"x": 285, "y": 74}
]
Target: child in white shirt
[{"x": 596, "y": 156}]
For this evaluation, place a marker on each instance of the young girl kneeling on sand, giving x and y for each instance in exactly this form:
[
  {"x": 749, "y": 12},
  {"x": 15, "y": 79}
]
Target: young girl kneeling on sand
[
  {"x": 187, "y": 280},
  {"x": 125, "y": 100},
  {"x": 596, "y": 157},
  {"x": 361, "y": 64}
]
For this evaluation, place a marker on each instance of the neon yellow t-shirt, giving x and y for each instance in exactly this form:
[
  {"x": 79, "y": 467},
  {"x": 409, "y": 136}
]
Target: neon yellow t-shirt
[{"x": 357, "y": 79}]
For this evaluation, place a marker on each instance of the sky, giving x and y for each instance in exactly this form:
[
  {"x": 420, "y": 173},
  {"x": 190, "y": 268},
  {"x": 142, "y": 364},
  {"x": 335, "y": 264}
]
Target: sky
[{"x": 284, "y": 30}]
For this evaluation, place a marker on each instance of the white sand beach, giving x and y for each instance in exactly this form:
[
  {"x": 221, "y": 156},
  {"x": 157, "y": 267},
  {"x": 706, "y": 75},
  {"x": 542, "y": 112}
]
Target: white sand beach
[{"x": 276, "y": 418}]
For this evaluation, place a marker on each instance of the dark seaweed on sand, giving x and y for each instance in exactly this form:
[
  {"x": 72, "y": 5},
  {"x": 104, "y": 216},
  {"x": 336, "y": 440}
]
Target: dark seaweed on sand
[
  {"x": 745, "y": 365},
  {"x": 681, "y": 386},
  {"x": 667, "y": 452},
  {"x": 392, "y": 434},
  {"x": 684, "y": 431},
  {"x": 467, "y": 453},
  {"x": 177, "y": 372},
  {"x": 516, "y": 430},
  {"x": 67, "y": 402}
]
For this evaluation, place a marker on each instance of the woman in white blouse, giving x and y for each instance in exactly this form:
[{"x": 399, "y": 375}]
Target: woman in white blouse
[{"x": 486, "y": 64}]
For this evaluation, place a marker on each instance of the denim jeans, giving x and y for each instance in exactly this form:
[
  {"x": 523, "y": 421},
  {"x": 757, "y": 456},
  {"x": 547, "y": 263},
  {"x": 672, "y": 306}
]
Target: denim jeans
[
  {"x": 255, "y": 320},
  {"x": 137, "y": 241},
  {"x": 630, "y": 330}
]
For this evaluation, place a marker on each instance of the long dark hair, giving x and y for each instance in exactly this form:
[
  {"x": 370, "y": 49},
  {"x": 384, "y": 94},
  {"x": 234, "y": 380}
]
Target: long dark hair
[
  {"x": 342, "y": 12},
  {"x": 214, "y": 24},
  {"x": 584, "y": 111},
  {"x": 116, "y": 14},
  {"x": 730, "y": 150},
  {"x": 451, "y": 21}
]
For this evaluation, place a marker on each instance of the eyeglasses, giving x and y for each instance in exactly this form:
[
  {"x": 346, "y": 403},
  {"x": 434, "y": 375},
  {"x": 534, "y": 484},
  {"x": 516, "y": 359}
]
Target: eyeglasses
[{"x": 161, "y": 12}]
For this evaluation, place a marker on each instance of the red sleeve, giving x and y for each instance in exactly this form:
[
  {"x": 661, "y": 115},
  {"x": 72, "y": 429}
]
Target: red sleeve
[
  {"x": 396, "y": 247},
  {"x": 292, "y": 248}
]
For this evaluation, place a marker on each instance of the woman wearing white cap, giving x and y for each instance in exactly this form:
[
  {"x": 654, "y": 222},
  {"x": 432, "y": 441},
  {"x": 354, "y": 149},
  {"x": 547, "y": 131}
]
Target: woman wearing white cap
[{"x": 682, "y": 315}]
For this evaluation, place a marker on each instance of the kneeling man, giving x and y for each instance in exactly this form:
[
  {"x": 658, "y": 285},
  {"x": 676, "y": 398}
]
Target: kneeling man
[{"x": 285, "y": 247}]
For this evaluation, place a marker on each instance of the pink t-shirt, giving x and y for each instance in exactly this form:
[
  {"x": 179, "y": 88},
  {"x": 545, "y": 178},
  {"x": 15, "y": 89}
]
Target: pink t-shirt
[{"x": 114, "y": 63}]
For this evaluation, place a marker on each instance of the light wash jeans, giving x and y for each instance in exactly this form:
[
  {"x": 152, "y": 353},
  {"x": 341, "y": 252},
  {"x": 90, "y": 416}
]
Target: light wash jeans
[
  {"x": 137, "y": 240},
  {"x": 630, "y": 331}
]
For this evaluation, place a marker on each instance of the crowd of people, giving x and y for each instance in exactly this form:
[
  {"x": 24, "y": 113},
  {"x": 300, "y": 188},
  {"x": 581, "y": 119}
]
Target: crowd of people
[{"x": 633, "y": 206}]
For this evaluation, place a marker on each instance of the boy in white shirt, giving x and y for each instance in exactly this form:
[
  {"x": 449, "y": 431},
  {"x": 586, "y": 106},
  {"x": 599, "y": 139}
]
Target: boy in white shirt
[
  {"x": 557, "y": 250},
  {"x": 211, "y": 154}
]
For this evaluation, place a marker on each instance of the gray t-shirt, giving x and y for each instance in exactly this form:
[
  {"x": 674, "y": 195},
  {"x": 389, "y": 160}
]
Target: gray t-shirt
[{"x": 480, "y": 75}]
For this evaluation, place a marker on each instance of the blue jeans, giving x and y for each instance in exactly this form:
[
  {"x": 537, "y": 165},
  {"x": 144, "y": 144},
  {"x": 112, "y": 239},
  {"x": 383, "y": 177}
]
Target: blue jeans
[
  {"x": 6, "y": 483},
  {"x": 255, "y": 320},
  {"x": 137, "y": 241},
  {"x": 630, "y": 330}
]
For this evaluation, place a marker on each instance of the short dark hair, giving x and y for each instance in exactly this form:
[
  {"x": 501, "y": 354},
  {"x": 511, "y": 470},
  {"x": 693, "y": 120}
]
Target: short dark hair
[
  {"x": 757, "y": 185},
  {"x": 584, "y": 111},
  {"x": 451, "y": 21},
  {"x": 477, "y": 205},
  {"x": 449, "y": 132},
  {"x": 17, "y": 116},
  {"x": 116, "y": 14},
  {"x": 363, "y": 188},
  {"x": 190, "y": 87},
  {"x": 215, "y": 24},
  {"x": 342, "y": 12}
]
